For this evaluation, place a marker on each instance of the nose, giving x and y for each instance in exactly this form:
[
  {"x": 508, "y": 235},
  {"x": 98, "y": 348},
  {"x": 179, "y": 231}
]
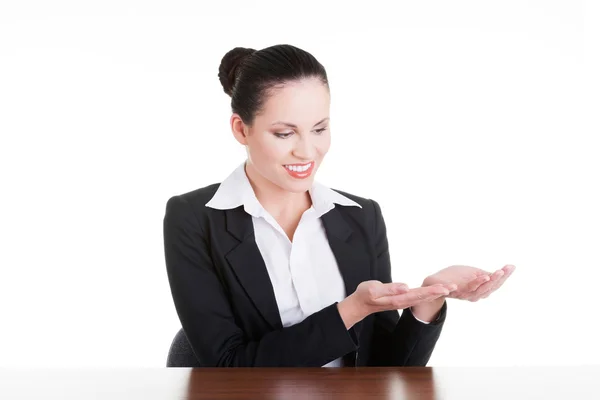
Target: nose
[{"x": 304, "y": 149}]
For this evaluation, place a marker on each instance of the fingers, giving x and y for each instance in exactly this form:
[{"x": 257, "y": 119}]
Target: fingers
[
  {"x": 487, "y": 288},
  {"x": 477, "y": 282},
  {"x": 387, "y": 289},
  {"x": 508, "y": 270},
  {"x": 497, "y": 280},
  {"x": 412, "y": 297}
]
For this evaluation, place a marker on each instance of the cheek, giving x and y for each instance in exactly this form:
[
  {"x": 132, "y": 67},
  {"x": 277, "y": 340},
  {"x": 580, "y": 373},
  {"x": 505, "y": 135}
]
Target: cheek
[
  {"x": 267, "y": 152},
  {"x": 323, "y": 145}
]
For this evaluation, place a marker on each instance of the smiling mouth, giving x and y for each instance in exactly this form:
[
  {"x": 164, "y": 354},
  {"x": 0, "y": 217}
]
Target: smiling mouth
[{"x": 300, "y": 170}]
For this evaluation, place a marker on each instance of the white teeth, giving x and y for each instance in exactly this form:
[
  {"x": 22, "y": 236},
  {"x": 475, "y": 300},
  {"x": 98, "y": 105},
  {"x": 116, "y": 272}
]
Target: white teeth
[{"x": 297, "y": 168}]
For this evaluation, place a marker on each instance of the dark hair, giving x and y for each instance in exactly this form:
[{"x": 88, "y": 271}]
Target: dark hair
[{"x": 248, "y": 75}]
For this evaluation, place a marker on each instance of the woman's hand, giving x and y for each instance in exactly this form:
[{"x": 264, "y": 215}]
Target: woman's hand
[
  {"x": 373, "y": 296},
  {"x": 473, "y": 283}
]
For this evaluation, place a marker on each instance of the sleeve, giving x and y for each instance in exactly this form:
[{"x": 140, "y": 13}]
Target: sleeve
[
  {"x": 437, "y": 318},
  {"x": 420, "y": 320},
  {"x": 208, "y": 320},
  {"x": 399, "y": 340}
]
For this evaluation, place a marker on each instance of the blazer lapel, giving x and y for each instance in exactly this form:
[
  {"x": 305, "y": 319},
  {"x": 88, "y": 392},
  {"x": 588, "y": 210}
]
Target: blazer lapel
[
  {"x": 353, "y": 261},
  {"x": 249, "y": 266}
]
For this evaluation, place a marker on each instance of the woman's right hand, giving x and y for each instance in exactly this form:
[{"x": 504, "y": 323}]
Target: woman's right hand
[{"x": 374, "y": 296}]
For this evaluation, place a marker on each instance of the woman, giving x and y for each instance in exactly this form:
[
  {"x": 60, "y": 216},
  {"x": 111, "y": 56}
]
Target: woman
[{"x": 270, "y": 267}]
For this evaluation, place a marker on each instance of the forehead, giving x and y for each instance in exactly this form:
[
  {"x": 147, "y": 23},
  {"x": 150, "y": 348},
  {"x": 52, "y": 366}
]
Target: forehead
[{"x": 300, "y": 102}]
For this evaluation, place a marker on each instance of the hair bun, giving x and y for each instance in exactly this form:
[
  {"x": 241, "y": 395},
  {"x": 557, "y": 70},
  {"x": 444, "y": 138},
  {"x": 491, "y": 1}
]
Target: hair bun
[{"x": 229, "y": 66}]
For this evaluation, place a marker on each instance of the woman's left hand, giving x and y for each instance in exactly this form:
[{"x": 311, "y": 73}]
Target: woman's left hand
[{"x": 472, "y": 283}]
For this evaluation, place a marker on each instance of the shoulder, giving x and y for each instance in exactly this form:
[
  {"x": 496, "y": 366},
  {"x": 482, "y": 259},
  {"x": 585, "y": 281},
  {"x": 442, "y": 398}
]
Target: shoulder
[
  {"x": 199, "y": 196},
  {"x": 192, "y": 202}
]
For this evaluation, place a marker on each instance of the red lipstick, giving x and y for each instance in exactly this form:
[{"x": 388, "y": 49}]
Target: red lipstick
[{"x": 300, "y": 171}]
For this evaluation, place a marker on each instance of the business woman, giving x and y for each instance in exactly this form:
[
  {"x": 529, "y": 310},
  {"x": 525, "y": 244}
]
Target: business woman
[{"x": 270, "y": 268}]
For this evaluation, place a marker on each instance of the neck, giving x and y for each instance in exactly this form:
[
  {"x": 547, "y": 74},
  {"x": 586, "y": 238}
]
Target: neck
[{"x": 277, "y": 201}]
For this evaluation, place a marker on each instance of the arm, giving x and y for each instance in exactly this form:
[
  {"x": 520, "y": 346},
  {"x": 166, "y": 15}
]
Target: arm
[
  {"x": 399, "y": 340},
  {"x": 208, "y": 320}
]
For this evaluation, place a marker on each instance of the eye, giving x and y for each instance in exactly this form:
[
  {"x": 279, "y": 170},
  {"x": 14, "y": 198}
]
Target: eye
[
  {"x": 283, "y": 135},
  {"x": 320, "y": 131}
]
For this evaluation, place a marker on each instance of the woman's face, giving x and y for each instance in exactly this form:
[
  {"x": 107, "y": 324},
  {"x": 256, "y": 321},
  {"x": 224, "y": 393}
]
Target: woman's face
[{"x": 289, "y": 139}]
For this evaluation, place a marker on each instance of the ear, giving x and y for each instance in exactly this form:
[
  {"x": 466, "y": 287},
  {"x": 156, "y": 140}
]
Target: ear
[{"x": 239, "y": 129}]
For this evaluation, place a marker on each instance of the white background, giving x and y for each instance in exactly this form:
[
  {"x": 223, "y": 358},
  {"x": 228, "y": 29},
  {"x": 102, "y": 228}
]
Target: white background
[{"x": 474, "y": 124}]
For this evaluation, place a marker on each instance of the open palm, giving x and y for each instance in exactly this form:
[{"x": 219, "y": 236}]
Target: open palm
[{"x": 472, "y": 283}]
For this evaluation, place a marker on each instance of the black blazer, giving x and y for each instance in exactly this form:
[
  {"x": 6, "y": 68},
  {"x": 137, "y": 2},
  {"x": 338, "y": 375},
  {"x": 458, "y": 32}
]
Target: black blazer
[{"x": 225, "y": 301}]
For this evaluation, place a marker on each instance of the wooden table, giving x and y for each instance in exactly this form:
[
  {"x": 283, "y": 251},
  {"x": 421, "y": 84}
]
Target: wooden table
[{"x": 303, "y": 383}]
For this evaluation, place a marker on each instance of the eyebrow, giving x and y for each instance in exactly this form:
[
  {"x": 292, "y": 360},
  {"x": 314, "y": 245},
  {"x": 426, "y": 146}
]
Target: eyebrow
[{"x": 294, "y": 126}]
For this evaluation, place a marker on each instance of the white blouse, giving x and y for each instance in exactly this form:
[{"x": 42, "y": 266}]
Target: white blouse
[{"x": 304, "y": 272}]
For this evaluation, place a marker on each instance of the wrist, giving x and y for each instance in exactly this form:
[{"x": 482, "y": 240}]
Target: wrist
[
  {"x": 350, "y": 311},
  {"x": 429, "y": 311}
]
